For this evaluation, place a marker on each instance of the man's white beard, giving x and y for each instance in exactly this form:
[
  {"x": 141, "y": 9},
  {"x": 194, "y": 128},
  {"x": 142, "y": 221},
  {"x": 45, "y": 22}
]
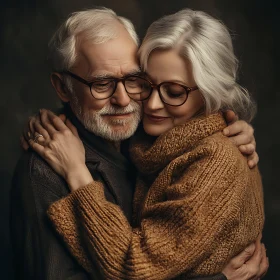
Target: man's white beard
[{"x": 112, "y": 129}]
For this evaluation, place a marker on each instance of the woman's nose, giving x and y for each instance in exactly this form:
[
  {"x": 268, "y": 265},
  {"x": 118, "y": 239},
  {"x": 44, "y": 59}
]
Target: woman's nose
[{"x": 154, "y": 102}]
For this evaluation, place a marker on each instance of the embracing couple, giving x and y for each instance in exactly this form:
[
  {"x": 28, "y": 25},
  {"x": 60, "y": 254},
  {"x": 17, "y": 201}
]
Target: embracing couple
[{"x": 98, "y": 196}]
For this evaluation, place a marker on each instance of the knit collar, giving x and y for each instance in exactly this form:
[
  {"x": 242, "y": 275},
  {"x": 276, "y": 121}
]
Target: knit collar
[{"x": 150, "y": 155}]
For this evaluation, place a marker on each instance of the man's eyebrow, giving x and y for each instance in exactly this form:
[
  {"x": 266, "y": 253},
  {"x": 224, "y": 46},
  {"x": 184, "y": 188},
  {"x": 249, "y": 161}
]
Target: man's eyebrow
[
  {"x": 136, "y": 71},
  {"x": 98, "y": 77}
]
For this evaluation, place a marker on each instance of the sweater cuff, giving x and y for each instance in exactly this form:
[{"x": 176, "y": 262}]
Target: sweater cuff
[{"x": 66, "y": 206}]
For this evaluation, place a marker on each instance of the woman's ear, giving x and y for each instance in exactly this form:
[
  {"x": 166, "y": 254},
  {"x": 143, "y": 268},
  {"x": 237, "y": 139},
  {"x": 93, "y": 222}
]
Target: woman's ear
[{"x": 59, "y": 86}]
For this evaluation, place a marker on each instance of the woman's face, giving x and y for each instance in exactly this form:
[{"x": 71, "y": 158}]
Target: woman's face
[{"x": 158, "y": 117}]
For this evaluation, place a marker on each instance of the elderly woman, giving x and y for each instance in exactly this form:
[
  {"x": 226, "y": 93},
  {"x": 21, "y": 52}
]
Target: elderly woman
[{"x": 197, "y": 203}]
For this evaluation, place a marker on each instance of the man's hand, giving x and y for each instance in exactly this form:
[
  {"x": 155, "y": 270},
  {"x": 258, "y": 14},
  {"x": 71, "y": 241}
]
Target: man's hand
[
  {"x": 242, "y": 135},
  {"x": 250, "y": 264}
]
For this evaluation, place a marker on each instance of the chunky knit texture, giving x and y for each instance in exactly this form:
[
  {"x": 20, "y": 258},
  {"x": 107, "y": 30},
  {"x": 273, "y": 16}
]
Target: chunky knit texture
[{"x": 197, "y": 204}]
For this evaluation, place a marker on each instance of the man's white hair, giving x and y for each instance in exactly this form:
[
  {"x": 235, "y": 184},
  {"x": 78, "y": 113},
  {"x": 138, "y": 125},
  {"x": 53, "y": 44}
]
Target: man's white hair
[
  {"x": 207, "y": 44},
  {"x": 99, "y": 25}
]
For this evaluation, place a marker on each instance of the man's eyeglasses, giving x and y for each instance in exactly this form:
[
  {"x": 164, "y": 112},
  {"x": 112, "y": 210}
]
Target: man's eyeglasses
[
  {"x": 104, "y": 88},
  {"x": 137, "y": 88}
]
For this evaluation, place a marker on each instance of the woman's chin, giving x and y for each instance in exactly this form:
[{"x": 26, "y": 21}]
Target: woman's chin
[{"x": 154, "y": 130}]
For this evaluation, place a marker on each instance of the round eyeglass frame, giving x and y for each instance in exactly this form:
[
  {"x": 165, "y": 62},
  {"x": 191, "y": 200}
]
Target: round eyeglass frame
[
  {"x": 157, "y": 87},
  {"x": 115, "y": 80}
]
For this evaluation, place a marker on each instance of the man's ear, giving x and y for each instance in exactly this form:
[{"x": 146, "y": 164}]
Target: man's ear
[{"x": 59, "y": 86}]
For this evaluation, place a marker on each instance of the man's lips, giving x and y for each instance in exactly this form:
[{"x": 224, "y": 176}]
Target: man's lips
[
  {"x": 119, "y": 116},
  {"x": 155, "y": 118}
]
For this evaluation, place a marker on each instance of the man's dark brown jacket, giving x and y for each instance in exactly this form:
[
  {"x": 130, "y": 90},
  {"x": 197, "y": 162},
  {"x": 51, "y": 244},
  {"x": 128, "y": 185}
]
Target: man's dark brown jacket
[{"x": 39, "y": 253}]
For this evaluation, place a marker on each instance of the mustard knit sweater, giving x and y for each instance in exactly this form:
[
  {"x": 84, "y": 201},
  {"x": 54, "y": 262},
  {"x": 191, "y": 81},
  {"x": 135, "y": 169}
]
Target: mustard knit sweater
[{"x": 197, "y": 204}]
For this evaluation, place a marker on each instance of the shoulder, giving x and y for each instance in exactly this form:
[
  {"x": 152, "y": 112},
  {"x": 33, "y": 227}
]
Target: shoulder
[
  {"x": 214, "y": 154},
  {"x": 219, "y": 147},
  {"x": 214, "y": 164},
  {"x": 33, "y": 176}
]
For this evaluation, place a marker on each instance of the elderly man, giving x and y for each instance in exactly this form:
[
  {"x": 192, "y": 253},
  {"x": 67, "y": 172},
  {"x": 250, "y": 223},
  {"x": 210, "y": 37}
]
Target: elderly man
[{"x": 91, "y": 52}]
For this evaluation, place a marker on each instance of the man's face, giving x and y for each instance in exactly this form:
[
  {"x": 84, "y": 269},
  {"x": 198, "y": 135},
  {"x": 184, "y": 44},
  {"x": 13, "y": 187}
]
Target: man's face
[{"x": 117, "y": 117}]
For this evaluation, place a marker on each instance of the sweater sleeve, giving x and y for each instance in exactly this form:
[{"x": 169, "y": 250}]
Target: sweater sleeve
[{"x": 211, "y": 213}]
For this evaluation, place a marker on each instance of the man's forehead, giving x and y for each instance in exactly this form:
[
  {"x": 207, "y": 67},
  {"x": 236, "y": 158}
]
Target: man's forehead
[{"x": 116, "y": 57}]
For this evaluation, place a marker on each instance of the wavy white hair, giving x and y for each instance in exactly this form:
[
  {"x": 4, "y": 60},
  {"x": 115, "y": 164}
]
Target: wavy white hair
[{"x": 207, "y": 44}]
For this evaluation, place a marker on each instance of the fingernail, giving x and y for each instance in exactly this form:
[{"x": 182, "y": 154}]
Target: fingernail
[
  {"x": 226, "y": 131},
  {"x": 29, "y": 134}
]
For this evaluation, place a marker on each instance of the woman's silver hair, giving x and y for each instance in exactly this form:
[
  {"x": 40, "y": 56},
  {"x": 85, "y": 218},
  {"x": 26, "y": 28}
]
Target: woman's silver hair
[
  {"x": 100, "y": 25},
  {"x": 207, "y": 44}
]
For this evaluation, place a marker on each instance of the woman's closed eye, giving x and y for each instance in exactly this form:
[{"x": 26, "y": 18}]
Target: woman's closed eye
[{"x": 175, "y": 94}]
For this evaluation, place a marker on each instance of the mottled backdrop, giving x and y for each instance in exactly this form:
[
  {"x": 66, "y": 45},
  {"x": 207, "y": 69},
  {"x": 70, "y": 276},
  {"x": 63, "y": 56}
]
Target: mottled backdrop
[{"x": 26, "y": 26}]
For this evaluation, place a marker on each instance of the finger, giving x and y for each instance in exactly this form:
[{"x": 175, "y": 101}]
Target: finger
[
  {"x": 230, "y": 116},
  {"x": 264, "y": 267},
  {"x": 248, "y": 149},
  {"x": 38, "y": 138},
  {"x": 244, "y": 256},
  {"x": 62, "y": 117},
  {"x": 48, "y": 117},
  {"x": 26, "y": 135},
  {"x": 253, "y": 264},
  {"x": 72, "y": 127},
  {"x": 257, "y": 256},
  {"x": 58, "y": 123},
  {"x": 259, "y": 237},
  {"x": 31, "y": 129},
  {"x": 237, "y": 127},
  {"x": 241, "y": 139},
  {"x": 41, "y": 130},
  {"x": 36, "y": 147},
  {"x": 24, "y": 143},
  {"x": 46, "y": 122},
  {"x": 253, "y": 160},
  {"x": 264, "y": 263},
  {"x": 26, "y": 131}
]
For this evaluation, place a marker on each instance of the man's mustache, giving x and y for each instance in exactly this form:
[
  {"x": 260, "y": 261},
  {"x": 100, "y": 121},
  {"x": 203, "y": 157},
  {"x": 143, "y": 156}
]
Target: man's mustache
[{"x": 111, "y": 110}]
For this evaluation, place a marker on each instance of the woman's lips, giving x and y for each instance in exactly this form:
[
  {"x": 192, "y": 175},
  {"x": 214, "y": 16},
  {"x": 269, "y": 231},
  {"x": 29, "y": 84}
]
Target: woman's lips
[{"x": 155, "y": 118}]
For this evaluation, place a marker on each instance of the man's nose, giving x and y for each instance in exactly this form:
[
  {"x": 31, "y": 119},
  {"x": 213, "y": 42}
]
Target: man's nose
[
  {"x": 154, "y": 102},
  {"x": 120, "y": 97}
]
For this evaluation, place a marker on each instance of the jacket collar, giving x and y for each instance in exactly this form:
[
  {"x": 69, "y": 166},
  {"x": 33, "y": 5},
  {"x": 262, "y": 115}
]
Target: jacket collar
[{"x": 96, "y": 144}]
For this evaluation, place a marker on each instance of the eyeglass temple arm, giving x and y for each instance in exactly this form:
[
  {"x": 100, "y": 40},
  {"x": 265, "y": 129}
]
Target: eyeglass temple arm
[{"x": 77, "y": 78}]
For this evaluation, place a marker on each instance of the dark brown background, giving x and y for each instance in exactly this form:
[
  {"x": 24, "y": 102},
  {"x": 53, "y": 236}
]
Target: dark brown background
[{"x": 26, "y": 27}]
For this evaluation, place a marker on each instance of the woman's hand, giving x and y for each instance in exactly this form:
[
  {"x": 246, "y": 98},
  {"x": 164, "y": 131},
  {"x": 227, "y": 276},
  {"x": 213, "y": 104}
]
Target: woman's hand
[
  {"x": 242, "y": 135},
  {"x": 251, "y": 264},
  {"x": 62, "y": 148}
]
